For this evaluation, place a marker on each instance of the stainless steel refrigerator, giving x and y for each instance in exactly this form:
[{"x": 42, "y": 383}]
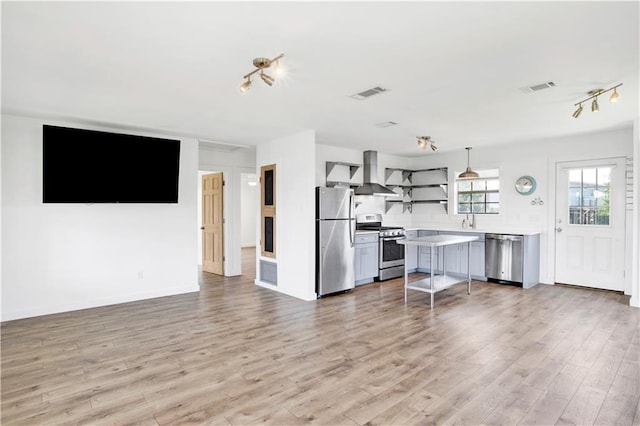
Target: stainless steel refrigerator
[{"x": 335, "y": 235}]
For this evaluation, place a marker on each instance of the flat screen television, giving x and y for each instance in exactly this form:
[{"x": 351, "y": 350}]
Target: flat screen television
[{"x": 88, "y": 166}]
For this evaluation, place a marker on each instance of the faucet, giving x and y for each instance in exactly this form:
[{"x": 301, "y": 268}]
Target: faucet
[{"x": 472, "y": 224}]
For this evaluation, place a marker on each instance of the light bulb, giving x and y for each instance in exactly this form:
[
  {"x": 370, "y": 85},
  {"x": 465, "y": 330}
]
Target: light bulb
[
  {"x": 278, "y": 69},
  {"x": 614, "y": 95},
  {"x": 245, "y": 86}
]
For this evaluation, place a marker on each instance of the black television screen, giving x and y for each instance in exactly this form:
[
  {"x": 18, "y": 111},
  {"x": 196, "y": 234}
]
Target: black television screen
[{"x": 88, "y": 166}]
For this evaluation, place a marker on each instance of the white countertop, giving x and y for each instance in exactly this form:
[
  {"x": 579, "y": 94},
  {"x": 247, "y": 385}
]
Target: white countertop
[
  {"x": 437, "y": 240},
  {"x": 490, "y": 230}
]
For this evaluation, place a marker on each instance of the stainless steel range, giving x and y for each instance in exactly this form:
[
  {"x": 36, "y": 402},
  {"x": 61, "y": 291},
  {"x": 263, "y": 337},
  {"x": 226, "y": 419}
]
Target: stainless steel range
[{"x": 391, "y": 254}]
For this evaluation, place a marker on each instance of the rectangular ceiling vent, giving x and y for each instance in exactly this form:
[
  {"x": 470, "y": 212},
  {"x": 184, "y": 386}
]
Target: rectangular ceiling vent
[
  {"x": 368, "y": 93},
  {"x": 219, "y": 146},
  {"x": 538, "y": 87},
  {"x": 386, "y": 124}
]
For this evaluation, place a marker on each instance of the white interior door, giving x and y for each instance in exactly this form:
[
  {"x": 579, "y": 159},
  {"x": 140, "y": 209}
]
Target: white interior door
[{"x": 590, "y": 225}]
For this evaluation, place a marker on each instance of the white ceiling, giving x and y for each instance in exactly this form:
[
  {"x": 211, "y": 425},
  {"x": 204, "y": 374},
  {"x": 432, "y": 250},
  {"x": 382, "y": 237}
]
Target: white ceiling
[{"x": 453, "y": 70}]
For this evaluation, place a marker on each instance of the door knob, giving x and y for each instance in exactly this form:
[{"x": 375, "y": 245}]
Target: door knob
[
  {"x": 559, "y": 229},
  {"x": 202, "y": 227}
]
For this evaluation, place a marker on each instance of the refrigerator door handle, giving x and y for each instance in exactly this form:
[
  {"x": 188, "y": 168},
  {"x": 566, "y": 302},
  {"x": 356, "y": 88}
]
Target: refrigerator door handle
[{"x": 351, "y": 232}]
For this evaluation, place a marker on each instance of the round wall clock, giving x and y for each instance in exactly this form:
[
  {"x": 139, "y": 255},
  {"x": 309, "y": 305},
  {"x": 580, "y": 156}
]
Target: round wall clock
[{"x": 525, "y": 185}]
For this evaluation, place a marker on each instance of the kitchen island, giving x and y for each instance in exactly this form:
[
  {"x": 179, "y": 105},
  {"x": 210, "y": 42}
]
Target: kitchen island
[{"x": 435, "y": 283}]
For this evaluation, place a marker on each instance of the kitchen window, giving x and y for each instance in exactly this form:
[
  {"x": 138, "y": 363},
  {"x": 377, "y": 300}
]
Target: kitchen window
[{"x": 479, "y": 196}]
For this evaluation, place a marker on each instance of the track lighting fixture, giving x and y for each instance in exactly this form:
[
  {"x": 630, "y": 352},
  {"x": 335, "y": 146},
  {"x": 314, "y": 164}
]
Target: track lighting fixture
[
  {"x": 593, "y": 95},
  {"x": 468, "y": 174},
  {"x": 425, "y": 142},
  {"x": 261, "y": 64}
]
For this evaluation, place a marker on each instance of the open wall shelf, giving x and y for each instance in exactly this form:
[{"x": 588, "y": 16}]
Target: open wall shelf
[
  {"x": 352, "y": 170},
  {"x": 435, "y": 181}
]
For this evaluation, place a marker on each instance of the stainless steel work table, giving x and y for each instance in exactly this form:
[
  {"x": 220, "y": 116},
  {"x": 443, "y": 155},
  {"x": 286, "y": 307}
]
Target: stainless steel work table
[{"x": 435, "y": 283}]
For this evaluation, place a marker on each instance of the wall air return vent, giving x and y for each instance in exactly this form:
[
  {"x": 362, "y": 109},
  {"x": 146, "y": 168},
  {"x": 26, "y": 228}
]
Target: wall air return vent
[
  {"x": 368, "y": 93},
  {"x": 538, "y": 87}
]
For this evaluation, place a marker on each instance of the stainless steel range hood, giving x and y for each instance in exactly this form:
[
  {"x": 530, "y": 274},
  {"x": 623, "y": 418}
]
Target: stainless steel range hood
[{"x": 370, "y": 184}]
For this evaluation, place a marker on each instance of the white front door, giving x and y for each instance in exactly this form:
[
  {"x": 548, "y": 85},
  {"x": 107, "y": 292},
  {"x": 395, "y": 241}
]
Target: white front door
[{"x": 590, "y": 228}]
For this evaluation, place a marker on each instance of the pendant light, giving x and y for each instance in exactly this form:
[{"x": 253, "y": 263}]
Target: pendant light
[{"x": 468, "y": 174}]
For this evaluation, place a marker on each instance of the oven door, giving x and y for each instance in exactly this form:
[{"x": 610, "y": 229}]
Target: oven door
[{"x": 391, "y": 253}]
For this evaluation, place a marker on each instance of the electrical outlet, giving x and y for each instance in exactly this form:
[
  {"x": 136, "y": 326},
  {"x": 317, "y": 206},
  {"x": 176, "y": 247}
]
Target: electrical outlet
[{"x": 140, "y": 275}]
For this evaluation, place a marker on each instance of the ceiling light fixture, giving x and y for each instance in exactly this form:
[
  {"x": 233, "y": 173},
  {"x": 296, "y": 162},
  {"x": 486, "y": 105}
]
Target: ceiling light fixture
[
  {"x": 425, "y": 142},
  {"x": 261, "y": 64},
  {"x": 468, "y": 174},
  {"x": 593, "y": 94}
]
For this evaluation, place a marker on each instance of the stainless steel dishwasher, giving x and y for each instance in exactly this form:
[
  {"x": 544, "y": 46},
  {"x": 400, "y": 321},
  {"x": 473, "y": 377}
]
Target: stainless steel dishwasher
[{"x": 504, "y": 257}]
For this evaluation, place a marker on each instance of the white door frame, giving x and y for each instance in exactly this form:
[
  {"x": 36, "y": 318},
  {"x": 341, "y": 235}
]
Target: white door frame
[
  {"x": 551, "y": 214},
  {"x": 615, "y": 231}
]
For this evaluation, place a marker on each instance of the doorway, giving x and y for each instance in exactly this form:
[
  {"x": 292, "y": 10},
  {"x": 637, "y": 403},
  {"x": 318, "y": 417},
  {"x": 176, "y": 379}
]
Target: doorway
[{"x": 590, "y": 223}]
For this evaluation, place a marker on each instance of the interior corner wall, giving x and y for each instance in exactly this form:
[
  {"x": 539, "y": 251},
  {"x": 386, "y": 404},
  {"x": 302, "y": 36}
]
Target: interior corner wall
[
  {"x": 294, "y": 157},
  {"x": 64, "y": 257}
]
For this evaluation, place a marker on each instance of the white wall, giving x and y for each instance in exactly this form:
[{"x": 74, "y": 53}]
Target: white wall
[
  {"x": 249, "y": 209},
  {"x": 62, "y": 257},
  {"x": 232, "y": 165},
  {"x": 535, "y": 158},
  {"x": 294, "y": 157}
]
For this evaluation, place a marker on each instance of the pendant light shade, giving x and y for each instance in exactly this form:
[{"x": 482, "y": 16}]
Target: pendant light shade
[{"x": 468, "y": 174}]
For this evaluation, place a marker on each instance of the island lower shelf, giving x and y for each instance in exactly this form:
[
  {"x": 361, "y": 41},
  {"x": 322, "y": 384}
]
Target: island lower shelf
[{"x": 440, "y": 282}]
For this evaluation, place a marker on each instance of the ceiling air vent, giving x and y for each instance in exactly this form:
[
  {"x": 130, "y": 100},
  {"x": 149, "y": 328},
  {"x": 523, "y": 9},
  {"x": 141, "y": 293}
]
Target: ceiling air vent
[
  {"x": 368, "y": 93},
  {"x": 538, "y": 87},
  {"x": 386, "y": 124}
]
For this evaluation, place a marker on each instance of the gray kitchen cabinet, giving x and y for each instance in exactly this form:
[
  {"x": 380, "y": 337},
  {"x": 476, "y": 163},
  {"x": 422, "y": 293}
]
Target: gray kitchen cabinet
[
  {"x": 411, "y": 259},
  {"x": 424, "y": 254},
  {"x": 455, "y": 258},
  {"x": 366, "y": 258}
]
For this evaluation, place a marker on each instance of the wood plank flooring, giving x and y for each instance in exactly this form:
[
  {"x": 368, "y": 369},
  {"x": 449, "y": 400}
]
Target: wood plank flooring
[{"x": 238, "y": 354}]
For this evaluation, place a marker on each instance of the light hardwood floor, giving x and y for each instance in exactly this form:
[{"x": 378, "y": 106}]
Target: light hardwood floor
[{"x": 239, "y": 354}]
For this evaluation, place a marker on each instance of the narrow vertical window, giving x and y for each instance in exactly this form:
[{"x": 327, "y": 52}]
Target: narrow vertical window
[{"x": 268, "y": 210}]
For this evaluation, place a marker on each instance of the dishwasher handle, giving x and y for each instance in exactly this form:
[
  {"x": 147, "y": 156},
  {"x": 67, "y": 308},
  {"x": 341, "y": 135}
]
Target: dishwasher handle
[{"x": 503, "y": 237}]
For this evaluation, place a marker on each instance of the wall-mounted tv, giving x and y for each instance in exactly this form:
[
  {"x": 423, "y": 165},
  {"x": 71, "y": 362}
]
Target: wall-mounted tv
[{"x": 88, "y": 166}]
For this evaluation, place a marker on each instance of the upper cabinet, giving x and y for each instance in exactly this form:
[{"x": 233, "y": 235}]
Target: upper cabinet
[
  {"x": 418, "y": 186},
  {"x": 339, "y": 173}
]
